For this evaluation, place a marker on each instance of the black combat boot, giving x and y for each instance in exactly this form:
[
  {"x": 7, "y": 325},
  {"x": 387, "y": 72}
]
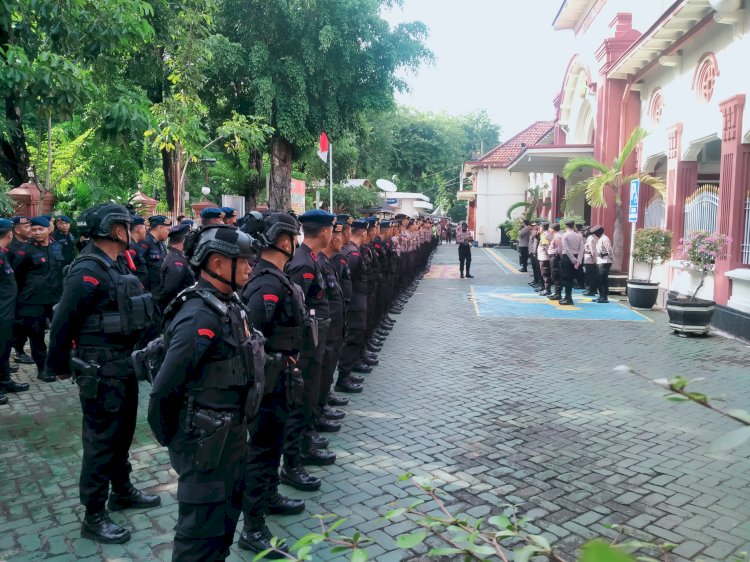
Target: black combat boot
[
  {"x": 325, "y": 425},
  {"x": 369, "y": 360},
  {"x": 256, "y": 537},
  {"x": 345, "y": 385},
  {"x": 318, "y": 457},
  {"x": 317, "y": 441},
  {"x": 335, "y": 400},
  {"x": 45, "y": 376},
  {"x": 360, "y": 367},
  {"x": 281, "y": 505},
  {"x": 9, "y": 385},
  {"x": 131, "y": 498},
  {"x": 299, "y": 479},
  {"x": 23, "y": 358},
  {"x": 98, "y": 527},
  {"x": 3, "y": 399},
  {"x": 333, "y": 413}
]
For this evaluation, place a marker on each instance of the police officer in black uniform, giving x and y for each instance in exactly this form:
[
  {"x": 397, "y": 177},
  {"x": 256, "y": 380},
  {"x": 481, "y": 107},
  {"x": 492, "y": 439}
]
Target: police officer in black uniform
[
  {"x": 8, "y": 293},
  {"x": 21, "y": 233},
  {"x": 138, "y": 248},
  {"x": 278, "y": 308},
  {"x": 103, "y": 311},
  {"x": 155, "y": 251},
  {"x": 65, "y": 238},
  {"x": 305, "y": 271},
  {"x": 39, "y": 273},
  {"x": 205, "y": 390},
  {"x": 176, "y": 273},
  {"x": 336, "y": 274},
  {"x": 356, "y": 314}
]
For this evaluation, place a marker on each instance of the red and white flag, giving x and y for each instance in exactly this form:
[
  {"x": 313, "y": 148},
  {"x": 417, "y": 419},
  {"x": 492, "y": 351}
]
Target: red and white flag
[{"x": 323, "y": 152}]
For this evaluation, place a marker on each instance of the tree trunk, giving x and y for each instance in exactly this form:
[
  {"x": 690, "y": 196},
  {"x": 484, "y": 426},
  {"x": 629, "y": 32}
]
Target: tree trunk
[
  {"x": 280, "y": 190},
  {"x": 14, "y": 155},
  {"x": 168, "y": 169},
  {"x": 617, "y": 241},
  {"x": 255, "y": 163}
]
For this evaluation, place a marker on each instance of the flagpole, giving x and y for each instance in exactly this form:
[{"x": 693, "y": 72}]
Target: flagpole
[{"x": 330, "y": 173}]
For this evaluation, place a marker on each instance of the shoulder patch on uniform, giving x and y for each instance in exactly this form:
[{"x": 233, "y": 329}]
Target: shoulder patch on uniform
[
  {"x": 93, "y": 280},
  {"x": 21, "y": 253},
  {"x": 308, "y": 276},
  {"x": 179, "y": 263},
  {"x": 355, "y": 253},
  {"x": 377, "y": 246},
  {"x": 206, "y": 332},
  {"x": 271, "y": 297},
  {"x": 342, "y": 261}
]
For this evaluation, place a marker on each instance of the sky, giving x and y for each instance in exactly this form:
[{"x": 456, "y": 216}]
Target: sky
[{"x": 498, "y": 55}]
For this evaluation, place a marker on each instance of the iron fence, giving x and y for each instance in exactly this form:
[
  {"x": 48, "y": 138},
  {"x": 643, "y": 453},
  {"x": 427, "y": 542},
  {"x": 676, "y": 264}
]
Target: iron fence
[
  {"x": 702, "y": 210},
  {"x": 655, "y": 215}
]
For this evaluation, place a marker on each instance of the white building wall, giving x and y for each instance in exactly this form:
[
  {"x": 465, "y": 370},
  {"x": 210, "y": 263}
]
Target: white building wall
[{"x": 497, "y": 190}]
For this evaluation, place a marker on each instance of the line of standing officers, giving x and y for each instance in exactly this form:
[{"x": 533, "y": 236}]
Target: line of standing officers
[{"x": 255, "y": 327}]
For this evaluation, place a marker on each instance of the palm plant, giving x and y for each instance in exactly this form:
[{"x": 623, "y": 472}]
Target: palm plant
[
  {"x": 534, "y": 201},
  {"x": 614, "y": 179}
]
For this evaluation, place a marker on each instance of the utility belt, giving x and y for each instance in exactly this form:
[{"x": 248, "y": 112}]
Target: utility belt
[
  {"x": 90, "y": 367},
  {"x": 212, "y": 428},
  {"x": 282, "y": 374},
  {"x": 603, "y": 254}
]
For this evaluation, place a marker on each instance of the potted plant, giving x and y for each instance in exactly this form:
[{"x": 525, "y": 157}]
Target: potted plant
[
  {"x": 651, "y": 245},
  {"x": 698, "y": 252}
]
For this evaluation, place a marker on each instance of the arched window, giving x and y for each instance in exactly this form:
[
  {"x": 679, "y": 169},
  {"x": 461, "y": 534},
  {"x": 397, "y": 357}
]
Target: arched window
[
  {"x": 656, "y": 106},
  {"x": 704, "y": 79}
]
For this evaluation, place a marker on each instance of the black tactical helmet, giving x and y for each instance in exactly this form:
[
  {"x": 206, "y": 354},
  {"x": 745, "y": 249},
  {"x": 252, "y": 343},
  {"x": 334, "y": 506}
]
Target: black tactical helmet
[
  {"x": 268, "y": 228},
  {"x": 221, "y": 239},
  {"x": 97, "y": 221}
]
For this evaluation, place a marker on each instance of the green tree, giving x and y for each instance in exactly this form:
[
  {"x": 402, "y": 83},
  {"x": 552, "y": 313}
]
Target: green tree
[
  {"x": 533, "y": 203},
  {"x": 610, "y": 178},
  {"x": 315, "y": 66},
  {"x": 57, "y": 59}
]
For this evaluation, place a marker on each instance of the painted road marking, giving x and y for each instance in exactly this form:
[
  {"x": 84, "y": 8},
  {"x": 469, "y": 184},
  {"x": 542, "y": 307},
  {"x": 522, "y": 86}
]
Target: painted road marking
[
  {"x": 511, "y": 268},
  {"x": 517, "y": 302}
]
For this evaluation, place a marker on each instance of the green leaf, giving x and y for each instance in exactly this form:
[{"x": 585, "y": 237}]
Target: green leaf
[
  {"x": 677, "y": 398},
  {"x": 731, "y": 440},
  {"x": 445, "y": 551},
  {"x": 395, "y": 513},
  {"x": 540, "y": 540},
  {"x": 500, "y": 521},
  {"x": 481, "y": 549},
  {"x": 359, "y": 555},
  {"x": 525, "y": 553},
  {"x": 698, "y": 397},
  {"x": 411, "y": 540},
  {"x": 599, "y": 551},
  {"x": 740, "y": 415}
]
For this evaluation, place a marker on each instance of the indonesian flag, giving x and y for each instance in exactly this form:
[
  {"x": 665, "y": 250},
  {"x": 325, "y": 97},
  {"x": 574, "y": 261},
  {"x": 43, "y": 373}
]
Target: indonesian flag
[{"x": 323, "y": 152}]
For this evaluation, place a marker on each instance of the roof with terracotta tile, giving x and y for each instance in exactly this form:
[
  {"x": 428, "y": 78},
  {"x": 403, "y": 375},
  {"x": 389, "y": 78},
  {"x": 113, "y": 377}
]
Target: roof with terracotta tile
[{"x": 505, "y": 153}]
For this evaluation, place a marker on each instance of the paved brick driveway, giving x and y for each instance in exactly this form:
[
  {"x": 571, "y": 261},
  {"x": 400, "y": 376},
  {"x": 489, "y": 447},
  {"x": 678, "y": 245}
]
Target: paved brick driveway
[{"x": 518, "y": 410}]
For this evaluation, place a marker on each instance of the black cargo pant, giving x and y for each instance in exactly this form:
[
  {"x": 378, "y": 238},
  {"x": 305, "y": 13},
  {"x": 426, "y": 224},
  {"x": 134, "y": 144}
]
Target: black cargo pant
[
  {"x": 464, "y": 258},
  {"x": 32, "y": 323},
  {"x": 568, "y": 274},
  {"x": 301, "y": 419},
  {"x": 546, "y": 274},
  {"x": 267, "y": 435},
  {"x": 523, "y": 256},
  {"x": 107, "y": 433},
  {"x": 536, "y": 269},
  {"x": 330, "y": 358},
  {"x": 555, "y": 273},
  {"x": 354, "y": 340},
  {"x": 603, "y": 275},
  {"x": 592, "y": 277},
  {"x": 210, "y": 501},
  {"x": 6, "y": 345}
]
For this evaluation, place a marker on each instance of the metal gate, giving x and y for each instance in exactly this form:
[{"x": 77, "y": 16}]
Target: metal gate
[
  {"x": 702, "y": 210},
  {"x": 655, "y": 215}
]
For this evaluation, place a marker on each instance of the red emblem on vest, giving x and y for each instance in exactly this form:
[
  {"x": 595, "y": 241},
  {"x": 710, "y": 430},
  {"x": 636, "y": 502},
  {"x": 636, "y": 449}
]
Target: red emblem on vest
[
  {"x": 93, "y": 280},
  {"x": 308, "y": 276},
  {"x": 272, "y": 298},
  {"x": 206, "y": 332}
]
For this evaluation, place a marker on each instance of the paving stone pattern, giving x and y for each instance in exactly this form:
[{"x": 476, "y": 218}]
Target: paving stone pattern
[{"x": 497, "y": 410}]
